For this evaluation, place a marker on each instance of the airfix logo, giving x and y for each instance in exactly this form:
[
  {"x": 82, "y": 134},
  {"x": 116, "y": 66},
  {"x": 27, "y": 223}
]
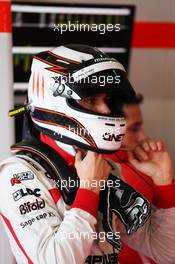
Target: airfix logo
[
  {"x": 28, "y": 207},
  {"x": 111, "y": 137},
  {"x": 21, "y": 193},
  {"x": 22, "y": 176}
]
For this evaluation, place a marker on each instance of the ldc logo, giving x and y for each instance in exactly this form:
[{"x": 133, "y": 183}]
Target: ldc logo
[{"x": 21, "y": 193}]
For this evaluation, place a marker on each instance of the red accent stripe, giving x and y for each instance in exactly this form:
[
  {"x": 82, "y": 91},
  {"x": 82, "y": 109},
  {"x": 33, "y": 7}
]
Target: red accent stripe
[
  {"x": 38, "y": 85},
  {"x": 55, "y": 194},
  {"x": 128, "y": 254},
  {"x": 164, "y": 196},
  {"x": 42, "y": 87},
  {"x": 154, "y": 35},
  {"x": 15, "y": 237},
  {"x": 33, "y": 83},
  {"x": 5, "y": 16},
  {"x": 87, "y": 201},
  {"x": 56, "y": 68}
]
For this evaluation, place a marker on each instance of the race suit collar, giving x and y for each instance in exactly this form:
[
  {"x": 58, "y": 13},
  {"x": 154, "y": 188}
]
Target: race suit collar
[
  {"x": 70, "y": 159},
  {"x": 119, "y": 156},
  {"x": 122, "y": 154}
]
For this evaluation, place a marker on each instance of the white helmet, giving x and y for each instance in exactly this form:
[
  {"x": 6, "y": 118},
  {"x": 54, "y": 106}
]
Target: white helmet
[{"x": 69, "y": 73}]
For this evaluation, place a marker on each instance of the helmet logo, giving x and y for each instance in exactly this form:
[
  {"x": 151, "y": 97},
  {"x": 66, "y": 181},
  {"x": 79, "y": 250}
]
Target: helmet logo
[
  {"x": 52, "y": 62},
  {"x": 110, "y": 137},
  {"x": 57, "y": 85}
]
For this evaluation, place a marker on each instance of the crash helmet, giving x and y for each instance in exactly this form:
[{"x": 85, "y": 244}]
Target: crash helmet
[{"x": 64, "y": 75}]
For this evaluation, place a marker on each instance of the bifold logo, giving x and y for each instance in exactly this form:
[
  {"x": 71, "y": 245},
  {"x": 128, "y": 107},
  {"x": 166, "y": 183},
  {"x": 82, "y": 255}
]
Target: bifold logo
[{"x": 28, "y": 207}]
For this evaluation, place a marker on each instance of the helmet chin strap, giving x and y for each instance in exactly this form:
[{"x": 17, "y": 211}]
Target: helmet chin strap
[
  {"x": 71, "y": 149},
  {"x": 68, "y": 148}
]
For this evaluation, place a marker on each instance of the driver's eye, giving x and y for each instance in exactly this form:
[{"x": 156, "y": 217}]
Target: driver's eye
[
  {"x": 134, "y": 129},
  {"x": 108, "y": 98},
  {"x": 91, "y": 101}
]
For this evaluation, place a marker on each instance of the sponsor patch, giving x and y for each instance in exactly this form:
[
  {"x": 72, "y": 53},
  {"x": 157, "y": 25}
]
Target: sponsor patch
[
  {"x": 22, "y": 176},
  {"x": 39, "y": 217},
  {"x": 105, "y": 258},
  {"x": 21, "y": 193},
  {"x": 112, "y": 137},
  {"x": 29, "y": 207}
]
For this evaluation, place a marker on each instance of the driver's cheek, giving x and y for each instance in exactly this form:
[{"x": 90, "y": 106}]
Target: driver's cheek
[
  {"x": 134, "y": 138},
  {"x": 141, "y": 135},
  {"x": 130, "y": 139}
]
